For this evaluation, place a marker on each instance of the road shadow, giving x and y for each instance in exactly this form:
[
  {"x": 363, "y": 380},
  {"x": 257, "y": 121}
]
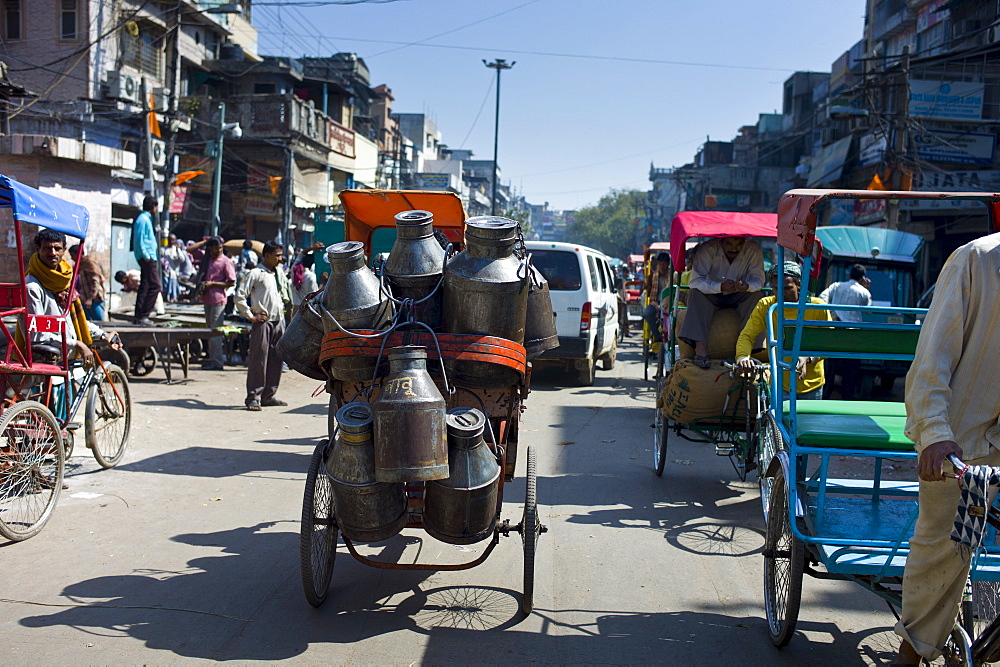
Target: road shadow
[
  {"x": 191, "y": 404},
  {"x": 218, "y": 462}
]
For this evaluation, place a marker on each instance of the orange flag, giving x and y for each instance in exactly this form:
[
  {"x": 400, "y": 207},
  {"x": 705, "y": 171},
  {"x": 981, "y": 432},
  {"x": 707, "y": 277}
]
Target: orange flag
[
  {"x": 275, "y": 182},
  {"x": 186, "y": 176},
  {"x": 154, "y": 123},
  {"x": 876, "y": 183}
]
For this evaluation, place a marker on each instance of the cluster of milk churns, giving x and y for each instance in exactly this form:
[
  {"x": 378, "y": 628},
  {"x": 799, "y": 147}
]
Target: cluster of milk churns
[{"x": 406, "y": 434}]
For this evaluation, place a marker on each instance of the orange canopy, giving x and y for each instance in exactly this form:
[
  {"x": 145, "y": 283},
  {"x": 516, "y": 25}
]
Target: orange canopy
[{"x": 368, "y": 210}]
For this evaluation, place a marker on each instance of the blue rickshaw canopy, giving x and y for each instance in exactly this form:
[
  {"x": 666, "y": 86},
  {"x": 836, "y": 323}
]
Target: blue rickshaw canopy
[{"x": 38, "y": 208}]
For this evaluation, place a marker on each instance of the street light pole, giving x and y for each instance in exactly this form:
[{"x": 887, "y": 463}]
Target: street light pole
[
  {"x": 217, "y": 176},
  {"x": 498, "y": 64}
]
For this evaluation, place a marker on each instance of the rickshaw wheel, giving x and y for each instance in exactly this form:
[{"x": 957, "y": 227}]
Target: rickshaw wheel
[
  {"x": 660, "y": 425},
  {"x": 318, "y": 530},
  {"x": 145, "y": 362},
  {"x": 645, "y": 356},
  {"x": 768, "y": 445},
  {"x": 784, "y": 562},
  {"x": 531, "y": 528},
  {"x": 32, "y": 463},
  {"x": 107, "y": 422}
]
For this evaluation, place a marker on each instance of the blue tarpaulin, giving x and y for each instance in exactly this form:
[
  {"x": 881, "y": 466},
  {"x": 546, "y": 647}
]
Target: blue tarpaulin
[{"x": 38, "y": 208}]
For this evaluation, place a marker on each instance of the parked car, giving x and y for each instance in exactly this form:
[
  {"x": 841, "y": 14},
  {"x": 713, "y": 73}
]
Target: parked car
[{"x": 585, "y": 303}]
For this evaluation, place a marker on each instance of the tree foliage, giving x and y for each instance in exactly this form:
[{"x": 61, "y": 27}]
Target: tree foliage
[{"x": 611, "y": 225}]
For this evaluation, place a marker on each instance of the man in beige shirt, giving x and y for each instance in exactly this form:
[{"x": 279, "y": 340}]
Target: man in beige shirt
[
  {"x": 952, "y": 407},
  {"x": 261, "y": 298}
]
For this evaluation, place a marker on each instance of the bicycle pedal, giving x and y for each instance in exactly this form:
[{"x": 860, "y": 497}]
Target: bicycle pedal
[
  {"x": 724, "y": 450},
  {"x": 72, "y": 426}
]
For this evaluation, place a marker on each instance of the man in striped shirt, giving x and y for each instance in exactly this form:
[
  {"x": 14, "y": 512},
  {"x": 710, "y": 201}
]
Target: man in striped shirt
[{"x": 952, "y": 407}]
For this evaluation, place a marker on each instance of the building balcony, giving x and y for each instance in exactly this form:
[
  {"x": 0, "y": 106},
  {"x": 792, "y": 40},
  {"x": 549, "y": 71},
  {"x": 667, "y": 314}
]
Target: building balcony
[{"x": 894, "y": 23}]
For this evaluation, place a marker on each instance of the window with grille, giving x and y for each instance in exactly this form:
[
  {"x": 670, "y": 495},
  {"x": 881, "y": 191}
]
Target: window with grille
[
  {"x": 142, "y": 52},
  {"x": 12, "y": 19},
  {"x": 68, "y": 20}
]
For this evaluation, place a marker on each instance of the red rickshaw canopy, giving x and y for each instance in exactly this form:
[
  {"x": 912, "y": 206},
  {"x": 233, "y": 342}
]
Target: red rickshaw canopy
[{"x": 708, "y": 224}]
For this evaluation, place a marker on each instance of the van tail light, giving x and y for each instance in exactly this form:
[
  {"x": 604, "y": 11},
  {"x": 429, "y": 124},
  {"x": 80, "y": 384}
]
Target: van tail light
[{"x": 585, "y": 317}]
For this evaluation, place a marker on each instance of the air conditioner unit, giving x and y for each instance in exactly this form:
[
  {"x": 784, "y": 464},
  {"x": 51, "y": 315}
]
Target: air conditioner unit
[
  {"x": 123, "y": 87},
  {"x": 158, "y": 152},
  {"x": 161, "y": 98}
]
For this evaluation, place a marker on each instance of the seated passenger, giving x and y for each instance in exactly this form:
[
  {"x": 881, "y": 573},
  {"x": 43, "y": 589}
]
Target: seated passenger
[
  {"x": 658, "y": 280},
  {"x": 726, "y": 273},
  {"x": 48, "y": 285},
  {"x": 809, "y": 370}
]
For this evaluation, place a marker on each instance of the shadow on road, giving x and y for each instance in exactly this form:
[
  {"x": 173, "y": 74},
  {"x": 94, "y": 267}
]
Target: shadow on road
[{"x": 218, "y": 462}]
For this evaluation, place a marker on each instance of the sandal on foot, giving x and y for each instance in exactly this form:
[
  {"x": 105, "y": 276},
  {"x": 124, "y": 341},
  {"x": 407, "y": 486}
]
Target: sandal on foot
[
  {"x": 253, "y": 406},
  {"x": 268, "y": 402},
  {"x": 701, "y": 361}
]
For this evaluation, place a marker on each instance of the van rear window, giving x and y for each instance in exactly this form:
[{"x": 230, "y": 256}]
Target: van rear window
[{"x": 560, "y": 268}]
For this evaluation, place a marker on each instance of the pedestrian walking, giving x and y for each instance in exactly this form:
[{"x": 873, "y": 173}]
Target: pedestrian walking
[
  {"x": 852, "y": 292},
  {"x": 144, "y": 249},
  {"x": 261, "y": 298},
  {"x": 219, "y": 274}
]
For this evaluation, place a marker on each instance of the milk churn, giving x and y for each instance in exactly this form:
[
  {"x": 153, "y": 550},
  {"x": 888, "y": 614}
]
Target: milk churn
[
  {"x": 414, "y": 266},
  {"x": 486, "y": 293},
  {"x": 462, "y": 509},
  {"x": 300, "y": 344},
  {"x": 540, "y": 323},
  {"x": 410, "y": 441},
  {"x": 353, "y": 299},
  {"x": 367, "y": 510}
]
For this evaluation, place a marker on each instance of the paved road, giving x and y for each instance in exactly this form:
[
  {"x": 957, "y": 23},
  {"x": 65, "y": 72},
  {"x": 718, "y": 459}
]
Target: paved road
[{"x": 189, "y": 550}]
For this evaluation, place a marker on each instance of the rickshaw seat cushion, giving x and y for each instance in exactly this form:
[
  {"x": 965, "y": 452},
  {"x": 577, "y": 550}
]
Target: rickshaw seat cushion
[
  {"x": 870, "y": 342},
  {"x": 857, "y": 431},
  {"x": 861, "y": 408}
]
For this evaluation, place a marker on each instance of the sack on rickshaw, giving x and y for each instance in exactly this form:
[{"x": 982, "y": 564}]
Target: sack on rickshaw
[
  {"x": 691, "y": 393},
  {"x": 722, "y": 334}
]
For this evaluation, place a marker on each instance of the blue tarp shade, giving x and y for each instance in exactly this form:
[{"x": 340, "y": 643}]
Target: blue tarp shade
[
  {"x": 857, "y": 242},
  {"x": 38, "y": 208}
]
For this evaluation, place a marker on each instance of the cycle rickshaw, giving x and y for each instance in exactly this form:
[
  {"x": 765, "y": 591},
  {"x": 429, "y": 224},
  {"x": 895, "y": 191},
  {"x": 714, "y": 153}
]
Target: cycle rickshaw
[
  {"x": 740, "y": 426},
  {"x": 42, "y": 388},
  {"x": 369, "y": 217},
  {"x": 821, "y": 521}
]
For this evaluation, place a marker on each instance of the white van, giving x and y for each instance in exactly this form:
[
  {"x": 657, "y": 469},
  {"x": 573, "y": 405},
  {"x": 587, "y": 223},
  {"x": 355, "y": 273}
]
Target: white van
[{"x": 581, "y": 284}]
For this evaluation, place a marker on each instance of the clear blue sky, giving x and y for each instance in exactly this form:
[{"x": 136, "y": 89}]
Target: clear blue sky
[{"x": 571, "y": 128}]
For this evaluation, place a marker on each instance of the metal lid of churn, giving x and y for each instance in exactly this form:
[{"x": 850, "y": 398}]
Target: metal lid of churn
[
  {"x": 465, "y": 422},
  {"x": 355, "y": 417},
  {"x": 344, "y": 249}
]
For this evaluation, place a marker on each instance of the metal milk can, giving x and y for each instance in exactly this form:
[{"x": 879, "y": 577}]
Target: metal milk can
[
  {"x": 353, "y": 299},
  {"x": 410, "y": 441},
  {"x": 415, "y": 263},
  {"x": 463, "y": 508},
  {"x": 367, "y": 510},
  {"x": 300, "y": 343},
  {"x": 540, "y": 323},
  {"x": 486, "y": 293}
]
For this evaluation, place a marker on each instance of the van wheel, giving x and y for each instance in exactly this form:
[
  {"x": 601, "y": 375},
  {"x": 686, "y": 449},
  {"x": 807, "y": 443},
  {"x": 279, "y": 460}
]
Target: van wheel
[
  {"x": 585, "y": 375},
  {"x": 608, "y": 360}
]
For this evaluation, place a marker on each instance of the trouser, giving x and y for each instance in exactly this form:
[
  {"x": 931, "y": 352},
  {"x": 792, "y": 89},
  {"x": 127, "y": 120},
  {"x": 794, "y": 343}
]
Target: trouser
[
  {"x": 96, "y": 312},
  {"x": 213, "y": 320},
  {"x": 149, "y": 288},
  {"x": 701, "y": 307},
  {"x": 936, "y": 569},
  {"x": 264, "y": 362},
  {"x": 850, "y": 374},
  {"x": 652, "y": 317}
]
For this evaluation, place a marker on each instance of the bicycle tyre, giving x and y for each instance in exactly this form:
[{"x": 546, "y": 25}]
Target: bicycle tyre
[
  {"x": 769, "y": 443},
  {"x": 660, "y": 425},
  {"x": 107, "y": 422},
  {"x": 32, "y": 464},
  {"x": 530, "y": 530},
  {"x": 317, "y": 531},
  {"x": 784, "y": 563}
]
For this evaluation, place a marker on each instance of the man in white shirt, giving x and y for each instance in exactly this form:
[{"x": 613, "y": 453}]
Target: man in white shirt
[
  {"x": 727, "y": 273},
  {"x": 852, "y": 292},
  {"x": 266, "y": 287}
]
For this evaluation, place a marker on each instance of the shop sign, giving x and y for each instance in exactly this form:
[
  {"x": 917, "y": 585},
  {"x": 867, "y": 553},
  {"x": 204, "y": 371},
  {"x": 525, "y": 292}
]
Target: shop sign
[
  {"x": 871, "y": 150},
  {"x": 947, "y": 100},
  {"x": 957, "y": 147},
  {"x": 341, "y": 139},
  {"x": 867, "y": 211},
  {"x": 435, "y": 181},
  {"x": 178, "y": 199}
]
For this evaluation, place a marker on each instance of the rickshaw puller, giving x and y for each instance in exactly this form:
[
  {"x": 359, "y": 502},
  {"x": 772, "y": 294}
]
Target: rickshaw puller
[
  {"x": 48, "y": 286},
  {"x": 950, "y": 409},
  {"x": 726, "y": 273}
]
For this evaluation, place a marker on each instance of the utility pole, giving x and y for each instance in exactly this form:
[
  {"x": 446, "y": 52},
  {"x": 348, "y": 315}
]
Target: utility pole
[
  {"x": 149, "y": 185},
  {"x": 289, "y": 198},
  {"x": 499, "y": 65},
  {"x": 217, "y": 176},
  {"x": 900, "y": 133}
]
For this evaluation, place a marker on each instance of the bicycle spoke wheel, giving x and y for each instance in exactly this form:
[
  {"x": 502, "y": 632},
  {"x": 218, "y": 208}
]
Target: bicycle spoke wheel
[
  {"x": 530, "y": 529},
  {"x": 660, "y": 425},
  {"x": 784, "y": 562},
  {"x": 108, "y": 419},
  {"x": 318, "y": 530},
  {"x": 985, "y": 611},
  {"x": 769, "y": 443},
  {"x": 32, "y": 461}
]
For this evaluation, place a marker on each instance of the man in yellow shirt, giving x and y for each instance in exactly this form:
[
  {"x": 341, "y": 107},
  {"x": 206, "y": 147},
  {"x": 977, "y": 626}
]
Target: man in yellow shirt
[{"x": 809, "y": 370}]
